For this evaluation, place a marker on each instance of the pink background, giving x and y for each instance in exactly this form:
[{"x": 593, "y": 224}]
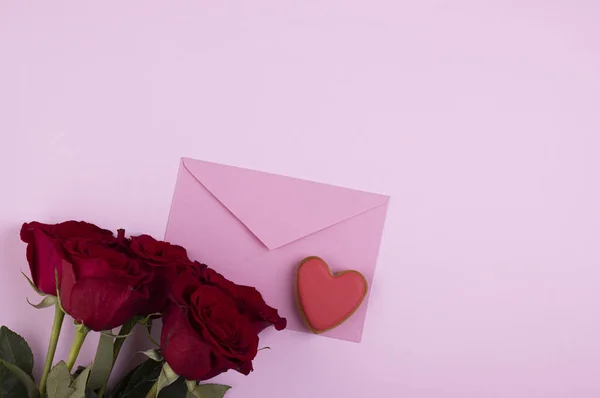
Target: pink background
[{"x": 480, "y": 118}]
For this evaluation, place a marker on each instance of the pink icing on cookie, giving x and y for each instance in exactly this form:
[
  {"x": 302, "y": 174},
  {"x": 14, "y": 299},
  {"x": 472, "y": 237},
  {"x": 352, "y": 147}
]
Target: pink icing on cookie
[{"x": 327, "y": 300}]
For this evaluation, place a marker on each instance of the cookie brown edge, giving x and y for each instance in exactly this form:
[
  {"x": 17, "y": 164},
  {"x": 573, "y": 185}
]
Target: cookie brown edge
[{"x": 299, "y": 301}]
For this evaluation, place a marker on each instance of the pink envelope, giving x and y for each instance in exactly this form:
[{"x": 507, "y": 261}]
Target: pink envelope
[{"x": 255, "y": 228}]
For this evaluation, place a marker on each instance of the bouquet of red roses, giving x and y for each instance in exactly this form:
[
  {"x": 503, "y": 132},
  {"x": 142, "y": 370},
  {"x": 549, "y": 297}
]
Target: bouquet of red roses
[{"x": 104, "y": 282}]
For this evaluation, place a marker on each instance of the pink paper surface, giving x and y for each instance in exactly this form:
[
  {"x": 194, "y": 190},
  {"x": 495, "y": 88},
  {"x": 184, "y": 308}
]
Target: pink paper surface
[
  {"x": 479, "y": 119},
  {"x": 256, "y": 228}
]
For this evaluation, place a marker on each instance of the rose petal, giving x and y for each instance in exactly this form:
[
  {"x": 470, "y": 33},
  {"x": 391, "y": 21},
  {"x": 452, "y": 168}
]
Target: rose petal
[
  {"x": 183, "y": 349},
  {"x": 103, "y": 304}
]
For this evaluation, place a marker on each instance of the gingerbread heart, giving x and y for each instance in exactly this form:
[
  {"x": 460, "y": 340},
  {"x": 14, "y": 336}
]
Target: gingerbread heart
[{"x": 327, "y": 300}]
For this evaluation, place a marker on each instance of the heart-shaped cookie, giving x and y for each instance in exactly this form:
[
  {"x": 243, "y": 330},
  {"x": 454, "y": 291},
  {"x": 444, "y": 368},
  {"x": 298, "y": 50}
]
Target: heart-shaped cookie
[{"x": 326, "y": 299}]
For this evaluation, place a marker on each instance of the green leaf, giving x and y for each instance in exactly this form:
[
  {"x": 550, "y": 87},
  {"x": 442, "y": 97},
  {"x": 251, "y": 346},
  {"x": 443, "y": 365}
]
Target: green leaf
[
  {"x": 59, "y": 382},
  {"x": 102, "y": 363},
  {"x": 79, "y": 370},
  {"x": 175, "y": 390},
  {"x": 46, "y": 302},
  {"x": 10, "y": 385},
  {"x": 117, "y": 391},
  {"x": 166, "y": 378},
  {"x": 209, "y": 391},
  {"x": 79, "y": 384},
  {"x": 14, "y": 349},
  {"x": 139, "y": 381},
  {"x": 193, "y": 394},
  {"x": 153, "y": 354},
  {"x": 191, "y": 385},
  {"x": 25, "y": 380},
  {"x": 33, "y": 286}
]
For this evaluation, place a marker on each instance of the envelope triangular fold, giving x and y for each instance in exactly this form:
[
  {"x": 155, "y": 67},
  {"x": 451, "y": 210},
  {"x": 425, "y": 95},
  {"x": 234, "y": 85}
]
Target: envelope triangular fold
[{"x": 277, "y": 209}]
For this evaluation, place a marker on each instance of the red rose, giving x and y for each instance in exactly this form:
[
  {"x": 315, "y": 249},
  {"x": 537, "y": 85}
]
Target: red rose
[
  {"x": 248, "y": 300},
  {"x": 157, "y": 252},
  {"x": 44, "y": 251},
  {"x": 102, "y": 287},
  {"x": 165, "y": 259},
  {"x": 204, "y": 333}
]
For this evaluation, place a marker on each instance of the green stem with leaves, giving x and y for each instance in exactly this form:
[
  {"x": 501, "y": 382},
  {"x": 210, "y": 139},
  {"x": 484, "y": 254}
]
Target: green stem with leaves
[
  {"x": 81, "y": 331},
  {"x": 117, "y": 345},
  {"x": 59, "y": 317}
]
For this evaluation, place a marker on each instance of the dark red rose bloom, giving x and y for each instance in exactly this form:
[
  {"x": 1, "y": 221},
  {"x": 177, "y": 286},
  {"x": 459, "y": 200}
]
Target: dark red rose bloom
[
  {"x": 204, "y": 333},
  {"x": 248, "y": 300},
  {"x": 44, "y": 247},
  {"x": 101, "y": 286},
  {"x": 157, "y": 252},
  {"x": 165, "y": 259}
]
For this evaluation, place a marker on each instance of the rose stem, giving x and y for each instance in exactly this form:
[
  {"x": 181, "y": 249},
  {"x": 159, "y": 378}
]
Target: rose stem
[
  {"x": 152, "y": 392},
  {"x": 59, "y": 317},
  {"x": 117, "y": 345},
  {"x": 81, "y": 332}
]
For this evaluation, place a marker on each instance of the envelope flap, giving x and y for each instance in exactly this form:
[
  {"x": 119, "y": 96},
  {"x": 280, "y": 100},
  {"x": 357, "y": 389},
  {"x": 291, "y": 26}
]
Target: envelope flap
[{"x": 277, "y": 209}]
